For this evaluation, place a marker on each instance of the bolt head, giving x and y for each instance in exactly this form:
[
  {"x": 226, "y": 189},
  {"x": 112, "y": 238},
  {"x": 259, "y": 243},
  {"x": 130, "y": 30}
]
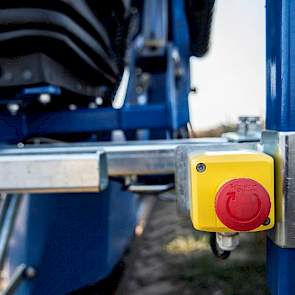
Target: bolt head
[
  {"x": 72, "y": 107},
  {"x": 201, "y": 167},
  {"x": 45, "y": 98},
  {"x": 267, "y": 221},
  {"x": 13, "y": 108},
  {"x": 30, "y": 272},
  {"x": 98, "y": 101}
]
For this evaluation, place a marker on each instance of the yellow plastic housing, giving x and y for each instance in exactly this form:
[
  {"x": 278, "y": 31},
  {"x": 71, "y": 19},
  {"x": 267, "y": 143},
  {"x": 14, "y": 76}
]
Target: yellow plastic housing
[{"x": 220, "y": 168}]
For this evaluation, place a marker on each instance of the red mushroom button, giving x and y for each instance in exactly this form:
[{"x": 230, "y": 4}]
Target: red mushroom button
[{"x": 242, "y": 204}]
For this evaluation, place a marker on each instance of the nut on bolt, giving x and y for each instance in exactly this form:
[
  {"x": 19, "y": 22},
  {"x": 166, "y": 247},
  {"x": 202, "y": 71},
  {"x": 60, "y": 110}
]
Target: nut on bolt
[{"x": 30, "y": 272}]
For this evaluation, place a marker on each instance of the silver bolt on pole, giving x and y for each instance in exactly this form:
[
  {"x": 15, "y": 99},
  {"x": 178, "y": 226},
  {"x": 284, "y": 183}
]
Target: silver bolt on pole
[
  {"x": 44, "y": 98},
  {"x": 13, "y": 108},
  {"x": 30, "y": 272}
]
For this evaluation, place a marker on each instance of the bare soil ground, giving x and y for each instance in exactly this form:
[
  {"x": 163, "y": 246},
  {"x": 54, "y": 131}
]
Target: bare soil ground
[{"x": 172, "y": 258}]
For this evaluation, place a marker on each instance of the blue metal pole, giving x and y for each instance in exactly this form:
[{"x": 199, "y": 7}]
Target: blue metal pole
[
  {"x": 280, "y": 116},
  {"x": 280, "y": 51}
]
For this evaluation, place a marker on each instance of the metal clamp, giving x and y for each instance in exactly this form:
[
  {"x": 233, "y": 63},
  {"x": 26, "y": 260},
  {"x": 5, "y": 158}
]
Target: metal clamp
[
  {"x": 249, "y": 130},
  {"x": 281, "y": 145}
]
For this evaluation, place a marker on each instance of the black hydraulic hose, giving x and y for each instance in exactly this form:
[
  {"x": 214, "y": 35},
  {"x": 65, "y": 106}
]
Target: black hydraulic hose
[{"x": 219, "y": 253}]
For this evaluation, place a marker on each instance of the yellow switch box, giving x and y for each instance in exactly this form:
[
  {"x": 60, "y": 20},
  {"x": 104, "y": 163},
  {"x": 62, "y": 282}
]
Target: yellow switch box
[{"x": 232, "y": 191}]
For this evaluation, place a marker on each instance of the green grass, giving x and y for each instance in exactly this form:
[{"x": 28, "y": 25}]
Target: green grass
[
  {"x": 203, "y": 274},
  {"x": 209, "y": 275}
]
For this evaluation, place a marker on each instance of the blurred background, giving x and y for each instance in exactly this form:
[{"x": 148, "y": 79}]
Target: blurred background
[
  {"x": 167, "y": 256},
  {"x": 230, "y": 80},
  {"x": 171, "y": 257}
]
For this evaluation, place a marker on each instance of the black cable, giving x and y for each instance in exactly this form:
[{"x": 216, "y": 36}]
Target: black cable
[{"x": 219, "y": 253}]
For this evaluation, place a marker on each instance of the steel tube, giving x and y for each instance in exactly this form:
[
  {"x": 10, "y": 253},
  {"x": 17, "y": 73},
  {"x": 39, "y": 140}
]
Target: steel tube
[{"x": 64, "y": 168}]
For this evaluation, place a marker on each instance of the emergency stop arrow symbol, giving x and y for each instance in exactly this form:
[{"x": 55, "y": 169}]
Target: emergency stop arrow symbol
[{"x": 232, "y": 197}]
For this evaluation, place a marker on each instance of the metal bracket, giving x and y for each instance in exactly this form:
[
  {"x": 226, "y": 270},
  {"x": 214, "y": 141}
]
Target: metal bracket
[
  {"x": 281, "y": 145},
  {"x": 249, "y": 130},
  {"x": 52, "y": 172}
]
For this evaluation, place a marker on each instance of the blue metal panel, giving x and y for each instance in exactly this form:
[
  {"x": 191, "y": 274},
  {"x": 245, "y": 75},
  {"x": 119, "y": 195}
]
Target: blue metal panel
[
  {"x": 72, "y": 239},
  {"x": 78, "y": 121},
  {"x": 280, "y": 39},
  {"x": 53, "y": 90},
  {"x": 153, "y": 116},
  {"x": 16, "y": 128},
  {"x": 12, "y": 128},
  {"x": 281, "y": 270}
]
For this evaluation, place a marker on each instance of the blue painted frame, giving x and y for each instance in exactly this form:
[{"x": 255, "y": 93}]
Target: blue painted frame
[
  {"x": 76, "y": 239},
  {"x": 280, "y": 51},
  {"x": 166, "y": 108},
  {"x": 280, "y": 116}
]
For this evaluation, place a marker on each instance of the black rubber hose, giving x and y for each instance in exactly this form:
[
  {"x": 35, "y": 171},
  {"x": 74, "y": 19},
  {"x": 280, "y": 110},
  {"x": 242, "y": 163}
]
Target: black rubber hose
[{"x": 219, "y": 253}]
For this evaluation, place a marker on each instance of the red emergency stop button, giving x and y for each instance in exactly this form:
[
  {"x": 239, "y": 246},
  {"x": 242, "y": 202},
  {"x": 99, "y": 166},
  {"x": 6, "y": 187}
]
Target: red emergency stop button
[{"x": 242, "y": 204}]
